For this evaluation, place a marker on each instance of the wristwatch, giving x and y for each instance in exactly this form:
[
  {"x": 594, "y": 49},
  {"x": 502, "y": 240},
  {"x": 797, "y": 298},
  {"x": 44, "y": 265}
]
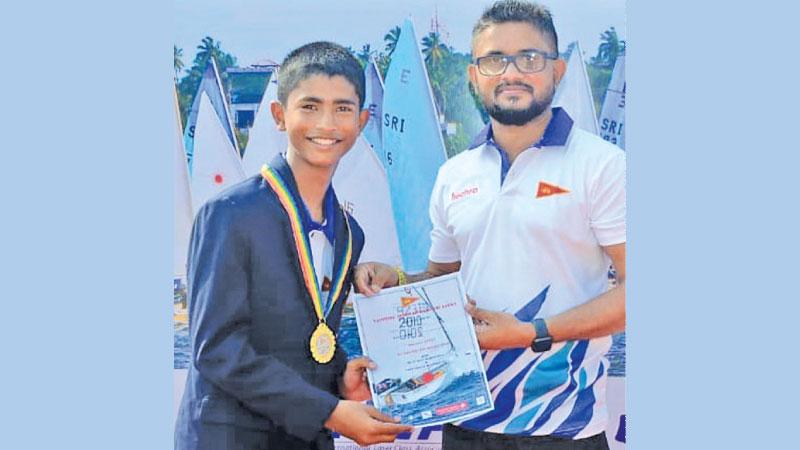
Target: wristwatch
[{"x": 543, "y": 341}]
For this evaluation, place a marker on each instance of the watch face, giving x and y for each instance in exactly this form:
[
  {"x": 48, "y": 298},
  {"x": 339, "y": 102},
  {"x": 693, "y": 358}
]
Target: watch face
[{"x": 542, "y": 344}]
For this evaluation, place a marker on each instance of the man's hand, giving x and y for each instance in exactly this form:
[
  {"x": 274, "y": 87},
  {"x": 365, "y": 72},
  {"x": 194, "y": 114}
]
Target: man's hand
[
  {"x": 499, "y": 330},
  {"x": 354, "y": 385},
  {"x": 364, "y": 424},
  {"x": 371, "y": 277}
]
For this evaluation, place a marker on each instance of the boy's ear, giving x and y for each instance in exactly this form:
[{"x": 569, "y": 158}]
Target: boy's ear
[
  {"x": 363, "y": 118},
  {"x": 277, "y": 113}
]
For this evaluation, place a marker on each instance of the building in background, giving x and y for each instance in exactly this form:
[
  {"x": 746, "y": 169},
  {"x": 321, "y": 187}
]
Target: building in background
[{"x": 246, "y": 86}]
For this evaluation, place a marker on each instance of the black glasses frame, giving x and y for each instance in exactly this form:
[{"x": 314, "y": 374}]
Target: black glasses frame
[{"x": 513, "y": 58}]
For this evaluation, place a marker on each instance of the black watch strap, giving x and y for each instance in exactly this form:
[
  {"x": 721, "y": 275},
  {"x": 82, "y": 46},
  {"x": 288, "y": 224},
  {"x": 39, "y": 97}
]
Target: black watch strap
[{"x": 543, "y": 341}]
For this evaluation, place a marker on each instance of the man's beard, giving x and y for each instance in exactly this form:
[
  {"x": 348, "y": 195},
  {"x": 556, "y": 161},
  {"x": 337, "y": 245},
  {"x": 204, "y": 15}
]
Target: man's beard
[{"x": 519, "y": 117}]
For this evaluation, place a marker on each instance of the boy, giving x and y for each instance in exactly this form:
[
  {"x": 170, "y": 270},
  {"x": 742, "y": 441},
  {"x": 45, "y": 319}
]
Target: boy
[{"x": 270, "y": 265}]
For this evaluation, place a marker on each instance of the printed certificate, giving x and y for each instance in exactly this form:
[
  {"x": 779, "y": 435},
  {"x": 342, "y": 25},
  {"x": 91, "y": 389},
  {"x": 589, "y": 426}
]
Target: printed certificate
[{"x": 430, "y": 369}]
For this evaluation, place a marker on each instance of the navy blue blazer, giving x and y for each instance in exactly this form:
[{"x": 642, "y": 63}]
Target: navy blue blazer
[{"x": 250, "y": 320}]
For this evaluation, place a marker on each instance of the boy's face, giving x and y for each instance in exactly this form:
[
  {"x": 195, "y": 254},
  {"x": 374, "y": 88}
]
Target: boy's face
[{"x": 321, "y": 118}]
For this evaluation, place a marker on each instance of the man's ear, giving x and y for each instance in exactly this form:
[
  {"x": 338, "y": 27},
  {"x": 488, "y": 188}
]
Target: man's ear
[
  {"x": 363, "y": 118},
  {"x": 472, "y": 75},
  {"x": 559, "y": 69},
  {"x": 277, "y": 113}
]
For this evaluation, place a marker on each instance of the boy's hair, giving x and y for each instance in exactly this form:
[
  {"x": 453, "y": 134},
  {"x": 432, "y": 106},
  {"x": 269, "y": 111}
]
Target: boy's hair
[
  {"x": 320, "y": 58},
  {"x": 534, "y": 14}
]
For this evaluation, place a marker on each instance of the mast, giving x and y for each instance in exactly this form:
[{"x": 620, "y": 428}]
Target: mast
[{"x": 424, "y": 296}]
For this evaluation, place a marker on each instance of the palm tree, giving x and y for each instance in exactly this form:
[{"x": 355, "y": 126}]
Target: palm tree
[
  {"x": 610, "y": 47},
  {"x": 433, "y": 48},
  {"x": 178, "y": 52},
  {"x": 207, "y": 48},
  {"x": 391, "y": 39}
]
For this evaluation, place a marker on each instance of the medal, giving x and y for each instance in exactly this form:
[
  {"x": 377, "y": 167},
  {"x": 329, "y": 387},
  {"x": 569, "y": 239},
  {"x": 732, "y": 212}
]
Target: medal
[{"x": 323, "y": 342}]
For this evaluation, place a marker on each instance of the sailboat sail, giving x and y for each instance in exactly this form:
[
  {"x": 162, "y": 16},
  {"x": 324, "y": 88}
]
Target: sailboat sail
[
  {"x": 574, "y": 92},
  {"x": 363, "y": 190},
  {"x": 374, "y": 103},
  {"x": 265, "y": 139},
  {"x": 211, "y": 85},
  {"x": 413, "y": 147},
  {"x": 216, "y": 163},
  {"x": 612, "y": 115},
  {"x": 183, "y": 201}
]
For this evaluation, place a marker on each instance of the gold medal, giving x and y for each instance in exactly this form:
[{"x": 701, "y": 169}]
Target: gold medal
[
  {"x": 323, "y": 341},
  {"x": 323, "y": 344}
]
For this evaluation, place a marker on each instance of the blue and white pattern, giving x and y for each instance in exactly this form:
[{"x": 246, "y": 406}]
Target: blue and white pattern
[{"x": 531, "y": 391}]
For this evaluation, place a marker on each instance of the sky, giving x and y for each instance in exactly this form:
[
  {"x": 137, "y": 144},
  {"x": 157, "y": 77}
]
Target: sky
[{"x": 253, "y": 30}]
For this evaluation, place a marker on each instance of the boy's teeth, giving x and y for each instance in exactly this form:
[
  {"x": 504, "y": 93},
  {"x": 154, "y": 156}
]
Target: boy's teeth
[{"x": 322, "y": 141}]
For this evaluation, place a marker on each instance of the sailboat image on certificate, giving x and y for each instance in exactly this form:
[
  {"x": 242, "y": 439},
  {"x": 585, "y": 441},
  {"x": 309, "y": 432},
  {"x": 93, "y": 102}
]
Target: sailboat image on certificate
[
  {"x": 432, "y": 378},
  {"x": 429, "y": 366}
]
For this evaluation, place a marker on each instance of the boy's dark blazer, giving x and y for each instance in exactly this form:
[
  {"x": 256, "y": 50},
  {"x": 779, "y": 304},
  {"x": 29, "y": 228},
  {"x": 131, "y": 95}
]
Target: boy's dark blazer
[{"x": 252, "y": 382}]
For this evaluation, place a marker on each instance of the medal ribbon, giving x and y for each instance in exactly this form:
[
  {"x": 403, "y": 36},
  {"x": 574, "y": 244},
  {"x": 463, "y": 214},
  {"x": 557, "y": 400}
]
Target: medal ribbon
[{"x": 304, "y": 249}]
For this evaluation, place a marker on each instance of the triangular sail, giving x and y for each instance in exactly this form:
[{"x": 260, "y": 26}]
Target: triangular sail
[
  {"x": 211, "y": 84},
  {"x": 574, "y": 92},
  {"x": 265, "y": 139},
  {"x": 612, "y": 114},
  {"x": 183, "y": 201},
  {"x": 374, "y": 103},
  {"x": 413, "y": 147},
  {"x": 216, "y": 163},
  {"x": 362, "y": 189}
]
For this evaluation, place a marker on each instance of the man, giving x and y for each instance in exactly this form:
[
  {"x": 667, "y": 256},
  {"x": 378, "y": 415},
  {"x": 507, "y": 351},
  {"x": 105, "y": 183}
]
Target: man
[{"x": 532, "y": 216}]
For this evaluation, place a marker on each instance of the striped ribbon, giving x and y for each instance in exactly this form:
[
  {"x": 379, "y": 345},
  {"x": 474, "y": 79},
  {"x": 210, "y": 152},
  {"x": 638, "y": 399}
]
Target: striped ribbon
[{"x": 304, "y": 249}]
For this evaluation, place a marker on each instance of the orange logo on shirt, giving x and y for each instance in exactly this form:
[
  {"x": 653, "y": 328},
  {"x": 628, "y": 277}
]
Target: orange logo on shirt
[{"x": 546, "y": 189}]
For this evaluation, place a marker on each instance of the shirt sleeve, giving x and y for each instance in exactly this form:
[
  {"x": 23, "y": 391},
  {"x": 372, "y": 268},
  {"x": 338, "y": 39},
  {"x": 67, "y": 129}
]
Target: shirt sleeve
[
  {"x": 444, "y": 248},
  {"x": 607, "y": 195},
  {"x": 220, "y": 328}
]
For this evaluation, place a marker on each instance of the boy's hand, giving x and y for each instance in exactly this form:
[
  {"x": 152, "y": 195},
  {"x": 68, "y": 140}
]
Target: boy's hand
[
  {"x": 354, "y": 384},
  {"x": 371, "y": 277},
  {"x": 364, "y": 424}
]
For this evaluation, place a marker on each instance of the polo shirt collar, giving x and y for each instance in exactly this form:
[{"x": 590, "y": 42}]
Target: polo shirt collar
[
  {"x": 555, "y": 134},
  {"x": 280, "y": 166}
]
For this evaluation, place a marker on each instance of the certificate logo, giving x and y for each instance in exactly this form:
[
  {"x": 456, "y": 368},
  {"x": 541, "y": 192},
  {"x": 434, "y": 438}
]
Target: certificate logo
[{"x": 406, "y": 301}]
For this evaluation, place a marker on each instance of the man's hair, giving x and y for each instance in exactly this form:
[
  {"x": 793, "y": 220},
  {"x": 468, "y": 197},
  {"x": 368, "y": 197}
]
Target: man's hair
[
  {"x": 319, "y": 58},
  {"x": 534, "y": 14}
]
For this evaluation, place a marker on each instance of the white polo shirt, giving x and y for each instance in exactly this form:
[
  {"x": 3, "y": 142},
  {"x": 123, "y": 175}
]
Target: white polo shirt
[{"x": 530, "y": 243}]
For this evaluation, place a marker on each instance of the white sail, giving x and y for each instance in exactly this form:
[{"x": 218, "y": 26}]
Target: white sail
[
  {"x": 574, "y": 92},
  {"x": 363, "y": 190},
  {"x": 211, "y": 85},
  {"x": 216, "y": 162},
  {"x": 612, "y": 115},
  {"x": 265, "y": 139},
  {"x": 374, "y": 103},
  {"x": 182, "y": 201}
]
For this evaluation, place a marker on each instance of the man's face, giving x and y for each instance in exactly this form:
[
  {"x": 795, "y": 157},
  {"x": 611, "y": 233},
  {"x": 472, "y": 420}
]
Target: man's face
[
  {"x": 515, "y": 98},
  {"x": 321, "y": 118}
]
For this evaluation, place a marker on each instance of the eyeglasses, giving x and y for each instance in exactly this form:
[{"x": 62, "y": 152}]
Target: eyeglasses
[{"x": 529, "y": 62}]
